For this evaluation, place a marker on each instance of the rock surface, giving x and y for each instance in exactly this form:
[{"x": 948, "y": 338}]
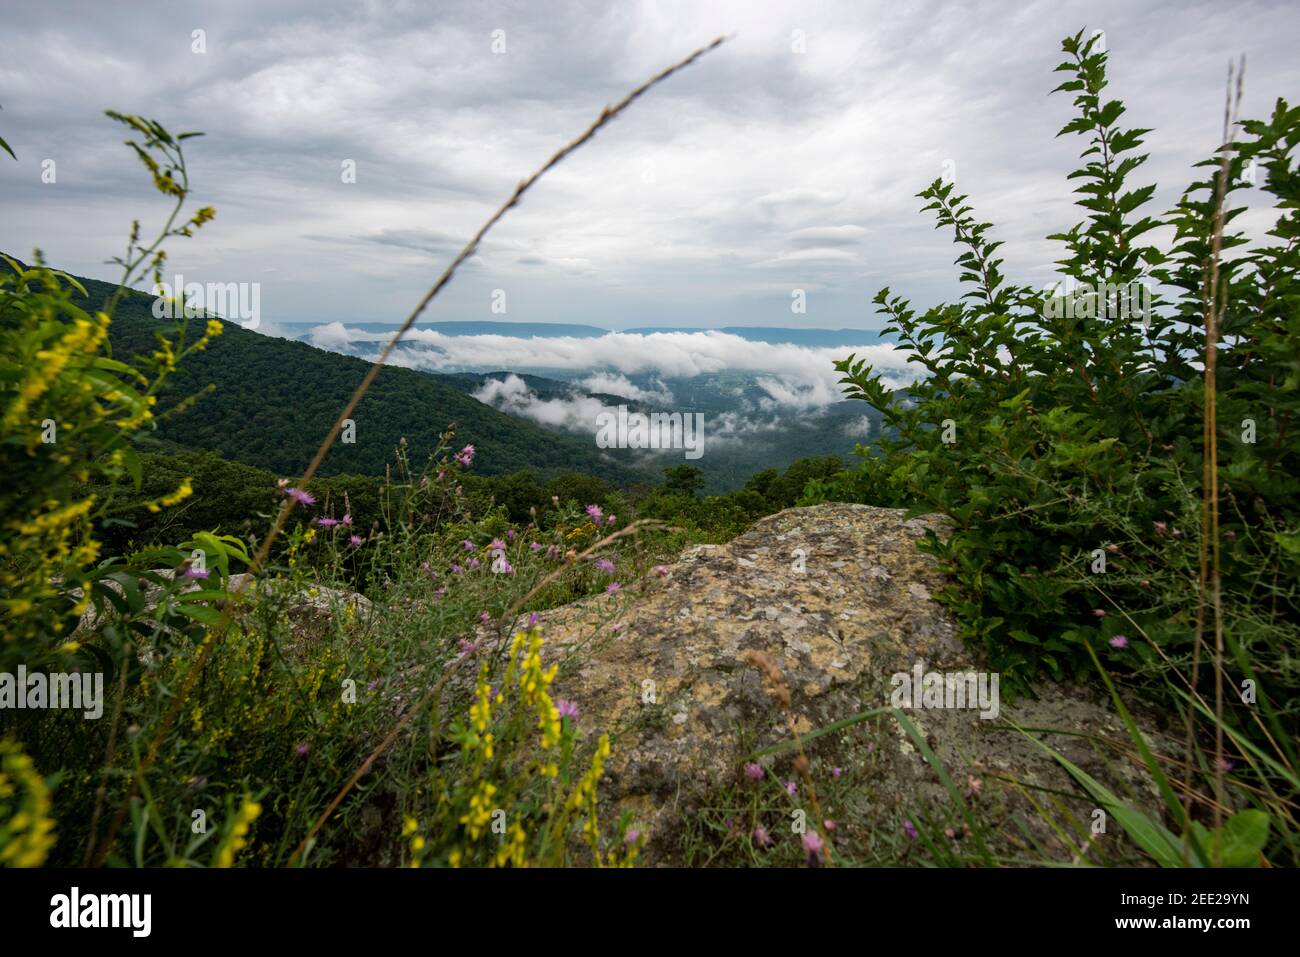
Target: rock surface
[{"x": 839, "y": 599}]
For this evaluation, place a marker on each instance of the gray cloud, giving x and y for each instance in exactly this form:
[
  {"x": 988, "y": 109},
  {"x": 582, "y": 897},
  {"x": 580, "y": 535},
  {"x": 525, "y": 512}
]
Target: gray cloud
[{"x": 758, "y": 171}]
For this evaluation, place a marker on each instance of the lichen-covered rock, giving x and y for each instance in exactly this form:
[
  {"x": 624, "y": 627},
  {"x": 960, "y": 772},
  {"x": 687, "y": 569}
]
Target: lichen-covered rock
[{"x": 840, "y": 600}]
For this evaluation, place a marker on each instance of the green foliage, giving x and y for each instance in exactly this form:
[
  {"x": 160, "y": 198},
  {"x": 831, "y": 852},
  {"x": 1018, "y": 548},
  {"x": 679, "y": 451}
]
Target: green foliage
[
  {"x": 1062, "y": 431},
  {"x": 69, "y": 416},
  {"x": 684, "y": 479}
]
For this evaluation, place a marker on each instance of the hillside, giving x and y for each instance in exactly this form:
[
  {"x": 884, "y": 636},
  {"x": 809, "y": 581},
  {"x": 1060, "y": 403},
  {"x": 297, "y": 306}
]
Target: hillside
[{"x": 269, "y": 402}]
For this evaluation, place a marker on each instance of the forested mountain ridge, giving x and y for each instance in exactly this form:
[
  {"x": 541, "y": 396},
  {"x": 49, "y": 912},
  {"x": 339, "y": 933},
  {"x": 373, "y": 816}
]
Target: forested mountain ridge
[{"x": 269, "y": 402}]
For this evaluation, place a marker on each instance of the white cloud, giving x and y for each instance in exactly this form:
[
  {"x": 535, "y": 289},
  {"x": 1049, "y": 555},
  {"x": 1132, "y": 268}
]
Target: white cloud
[
  {"x": 796, "y": 377},
  {"x": 611, "y": 383}
]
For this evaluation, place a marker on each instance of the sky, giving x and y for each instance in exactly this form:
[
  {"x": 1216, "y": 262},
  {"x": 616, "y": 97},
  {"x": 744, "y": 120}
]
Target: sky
[{"x": 786, "y": 160}]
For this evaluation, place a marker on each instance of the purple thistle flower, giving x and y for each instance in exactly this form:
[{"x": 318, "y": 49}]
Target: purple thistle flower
[
  {"x": 613, "y": 588},
  {"x": 836, "y": 772},
  {"x": 594, "y": 512},
  {"x": 910, "y": 830},
  {"x": 356, "y": 539},
  {"x": 533, "y": 618},
  {"x": 497, "y": 545},
  {"x": 812, "y": 845},
  {"x": 474, "y": 563},
  {"x": 195, "y": 573},
  {"x": 484, "y": 617},
  {"x": 465, "y": 456},
  {"x": 567, "y": 709},
  {"x": 468, "y": 648},
  {"x": 631, "y": 838},
  {"x": 467, "y": 545},
  {"x": 754, "y": 771},
  {"x": 303, "y": 749},
  {"x": 346, "y": 520},
  {"x": 535, "y": 545},
  {"x": 456, "y": 569},
  {"x": 300, "y": 496},
  {"x": 610, "y": 519},
  {"x": 761, "y": 837},
  {"x": 510, "y": 534},
  {"x": 1119, "y": 641},
  {"x": 327, "y": 522},
  {"x": 661, "y": 571},
  {"x": 791, "y": 788},
  {"x": 605, "y": 565}
]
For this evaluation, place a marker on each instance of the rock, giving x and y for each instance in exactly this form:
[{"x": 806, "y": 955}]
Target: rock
[{"x": 678, "y": 688}]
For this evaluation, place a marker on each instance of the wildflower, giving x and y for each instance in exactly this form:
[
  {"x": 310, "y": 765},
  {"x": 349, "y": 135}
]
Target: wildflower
[
  {"x": 1119, "y": 641},
  {"x": 497, "y": 545},
  {"x": 761, "y": 837},
  {"x": 473, "y": 563},
  {"x": 594, "y": 512},
  {"x": 327, "y": 522},
  {"x": 661, "y": 571},
  {"x": 613, "y": 588},
  {"x": 534, "y": 545},
  {"x": 456, "y": 569},
  {"x": 465, "y": 456},
  {"x": 610, "y": 519},
  {"x": 346, "y": 520},
  {"x": 373, "y": 684},
  {"x": 300, "y": 496},
  {"x": 632, "y": 837},
  {"x": 196, "y": 573},
  {"x": 355, "y": 540},
  {"x": 467, "y": 545},
  {"x": 828, "y": 824},
  {"x": 510, "y": 534},
  {"x": 533, "y": 618},
  {"x": 567, "y": 709},
  {"x": 754, "y": 771},
  {"x": 1160, "y": 527},
  {"x": 791, "y": 788},
  {"x": 484, "y": 617},
  {"x": 468, "y": 648},
  {"x": 1099, "y": 613},
  {"x": 303, "y": 749},
  {"x": 1224, "y": 765},
  {"x": 812, "y": 845},
  {"x": 836, "y": 772},
  {"x": 237, "y": 838},
  {"x": 605, "y": 565},
  {"x": 910, "y": 830}
]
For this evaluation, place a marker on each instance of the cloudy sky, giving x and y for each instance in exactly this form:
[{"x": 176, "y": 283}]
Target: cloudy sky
[{"x": 787, "y": 159}]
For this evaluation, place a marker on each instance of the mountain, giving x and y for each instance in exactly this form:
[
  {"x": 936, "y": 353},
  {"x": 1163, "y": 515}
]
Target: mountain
[{"x": 269, "y": 402}]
